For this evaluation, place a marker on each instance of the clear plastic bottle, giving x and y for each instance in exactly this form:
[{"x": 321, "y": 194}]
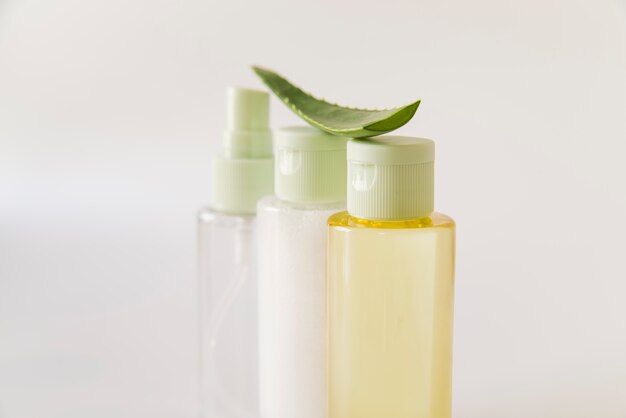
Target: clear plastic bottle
[
  {"x": 228, "y": 324},
  {"x": 242, "y": 173},
  {"x": 310, "y": 185},
  {"x": 390, "y": 287}
]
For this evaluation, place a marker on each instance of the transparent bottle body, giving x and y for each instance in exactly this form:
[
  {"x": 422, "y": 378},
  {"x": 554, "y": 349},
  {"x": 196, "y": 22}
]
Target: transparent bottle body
[
  {"x": 390, "y": 315},
  {"x": 228, "y": 321},
  {"x": 292, "y": 308}
]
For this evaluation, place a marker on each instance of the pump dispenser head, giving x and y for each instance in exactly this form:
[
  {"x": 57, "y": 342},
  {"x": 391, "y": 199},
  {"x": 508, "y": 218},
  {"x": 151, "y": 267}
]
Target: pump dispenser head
[
  {"x": 391, "y": 178},
  {"x": 247, "y": 134},
  {"x": 243, "y": 171},
  {"x": 310, "y": 166}
]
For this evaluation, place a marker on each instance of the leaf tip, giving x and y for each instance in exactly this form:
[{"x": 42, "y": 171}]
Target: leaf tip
[
  {"x": 258, "y": 70},
  {"x": 412, "y": 107}
]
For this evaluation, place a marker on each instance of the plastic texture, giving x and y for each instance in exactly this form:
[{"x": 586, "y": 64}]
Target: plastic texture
[
  {"x": 390, "y": 316},
  {"x": 310, "y": 165},
  {"x": 292, "y": 301},
  {"x": 391, "y": 178},
  {"x": 228, "y": 325}
]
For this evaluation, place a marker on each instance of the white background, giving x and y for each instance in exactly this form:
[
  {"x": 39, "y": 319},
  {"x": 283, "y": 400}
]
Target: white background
[{"x": 109, "y": 110}]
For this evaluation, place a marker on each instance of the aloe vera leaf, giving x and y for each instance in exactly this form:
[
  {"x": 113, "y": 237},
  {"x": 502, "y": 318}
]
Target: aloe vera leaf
[{"x": 332, "y": 118}]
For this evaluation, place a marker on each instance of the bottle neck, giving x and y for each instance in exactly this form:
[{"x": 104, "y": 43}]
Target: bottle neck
[
  {"x": 311, "y": 205},
  {"x": 434, "y": 220},
  {"x": 421, "y": 222}
]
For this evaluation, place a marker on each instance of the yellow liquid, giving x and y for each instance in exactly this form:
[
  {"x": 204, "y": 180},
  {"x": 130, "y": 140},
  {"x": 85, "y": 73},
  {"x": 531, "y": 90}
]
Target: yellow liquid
[{"x": 390, "y": 310}]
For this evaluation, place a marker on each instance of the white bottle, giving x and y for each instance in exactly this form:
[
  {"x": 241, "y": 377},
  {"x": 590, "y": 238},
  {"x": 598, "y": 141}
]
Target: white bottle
[
  {"x": 241, "y": 174},
  {"x": 310, "y": 185}
]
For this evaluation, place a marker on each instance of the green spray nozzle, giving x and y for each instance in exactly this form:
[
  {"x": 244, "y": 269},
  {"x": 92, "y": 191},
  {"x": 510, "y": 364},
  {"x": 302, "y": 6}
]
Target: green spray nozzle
[
  {"x": 243, "y": 172},
  {"x": 247, "y": 134}
]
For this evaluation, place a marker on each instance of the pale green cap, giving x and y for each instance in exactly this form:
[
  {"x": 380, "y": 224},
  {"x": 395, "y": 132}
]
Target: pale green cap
[
  {"x": 391, "y": 177},
  {"x": 244, "y": 171},
  {"x": 310, "y": 165}
]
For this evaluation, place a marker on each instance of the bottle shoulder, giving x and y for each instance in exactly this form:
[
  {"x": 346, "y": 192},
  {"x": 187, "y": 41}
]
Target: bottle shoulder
[
  {"x": 435, "y": 220},
  {"x": 208, "y": 215},
  {"x": 274, "y": 204}
]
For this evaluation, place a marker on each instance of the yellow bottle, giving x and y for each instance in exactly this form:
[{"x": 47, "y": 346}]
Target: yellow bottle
[{"x": 390, "y": 287}]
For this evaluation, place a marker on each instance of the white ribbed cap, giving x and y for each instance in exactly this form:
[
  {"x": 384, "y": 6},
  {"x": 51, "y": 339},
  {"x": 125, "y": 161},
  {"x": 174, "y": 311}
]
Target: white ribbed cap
[
  {"x": 391, "y": 177},
  {"x": 310, "y": 165}
]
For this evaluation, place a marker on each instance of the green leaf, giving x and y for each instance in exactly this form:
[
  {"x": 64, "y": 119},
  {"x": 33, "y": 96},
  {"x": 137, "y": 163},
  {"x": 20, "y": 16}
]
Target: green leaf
[{"x": 332, "y": 118}]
